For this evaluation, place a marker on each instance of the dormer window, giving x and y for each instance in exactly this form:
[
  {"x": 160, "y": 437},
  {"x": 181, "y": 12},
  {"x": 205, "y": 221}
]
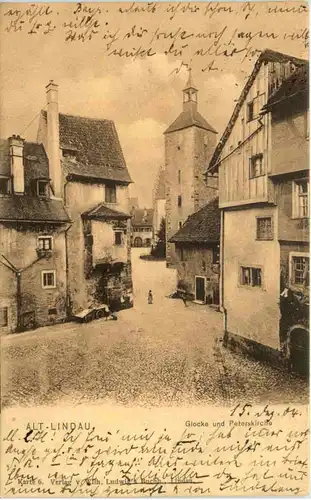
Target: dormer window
[
  {"x": 69, "y": 152},
  {"x": 4, "y": 185},
  {"x": 42, "y": 188}
]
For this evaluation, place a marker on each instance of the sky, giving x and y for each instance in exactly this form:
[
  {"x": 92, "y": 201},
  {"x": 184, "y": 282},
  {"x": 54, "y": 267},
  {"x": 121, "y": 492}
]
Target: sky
[{"x": 143, "y": 95}]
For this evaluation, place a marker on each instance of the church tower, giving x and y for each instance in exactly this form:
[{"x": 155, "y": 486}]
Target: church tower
[{"x": 189, "y": 144}]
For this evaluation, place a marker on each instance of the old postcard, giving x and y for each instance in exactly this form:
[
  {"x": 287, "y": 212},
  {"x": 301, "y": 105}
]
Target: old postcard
[{"x": 154, "y": 249}]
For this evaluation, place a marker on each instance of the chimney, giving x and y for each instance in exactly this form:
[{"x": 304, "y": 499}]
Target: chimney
[
  {"x": 53, "y": 149},
  {"x": 16, "y": 144}
]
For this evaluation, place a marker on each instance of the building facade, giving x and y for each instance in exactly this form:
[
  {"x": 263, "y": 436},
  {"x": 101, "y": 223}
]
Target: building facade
[
  {"x": 197, "y": 249},
  {"x": 289, "y": 110},
  {"x": 33, "y": 229},
  {"x": 189, "y": 143},
  {"x": 89, "y": 173},
  {"x": 142, "y": 227},
  {"x": 253, "y": 213}
]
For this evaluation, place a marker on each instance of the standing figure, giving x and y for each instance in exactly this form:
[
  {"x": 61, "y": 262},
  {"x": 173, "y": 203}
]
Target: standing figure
[{"x": 150, "y": 297}]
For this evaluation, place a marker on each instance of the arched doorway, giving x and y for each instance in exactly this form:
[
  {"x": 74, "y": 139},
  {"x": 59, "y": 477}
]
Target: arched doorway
[
  {"x": 298, "y": 349},
  {"x": 138, "y": 242}
]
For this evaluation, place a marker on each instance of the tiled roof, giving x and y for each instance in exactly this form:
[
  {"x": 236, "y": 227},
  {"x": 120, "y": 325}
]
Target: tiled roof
[
  {"x": 36, "y": 164},
  {"x": 189, "y": 118},
  {"x": 202, "y": 226},
  {"x": 265, "y": 56},
  {"x": 102, "y": 212},
  {"x": 28, "y": 207},
  {"x": 297, "y": 83},
  {"x": 142, "y": 217},
  {"x": 98, "y": 151},
  {"x": 32, "y": 208}
]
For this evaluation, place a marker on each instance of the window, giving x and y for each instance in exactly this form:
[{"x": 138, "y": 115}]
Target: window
[
  {"x": 182, "y": 254},
  {"x": 250, "y": 111},
  {"x": 203, "y": 265},
  {"x": 180, "y": 224},
  {"x": 216, "y": 254},
  {"x": 256, "y": 166},
  {"x": 48, "y": 279},
  {"x": 4, "y": 185},
  {"x": 301, "y": 198},
  {"x": 179, "y": 176},
  {"x": 3, "y": 316},
  {"x": 52, "y": 310},
  {"x": 42, "y": 188},
  {"x": 45, "y": 242},
  {"x": 264, "y": 228},
  {"x": 111, "y": 194},
  {"x": 299, "y": 270},
  {"x": 118, "y": 237},
  {"x": 251, "y": 276},
  {"x": 179, "y": 201}
]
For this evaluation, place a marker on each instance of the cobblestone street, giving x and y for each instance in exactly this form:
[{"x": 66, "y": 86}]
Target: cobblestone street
[{"x": 159, "y": 354}]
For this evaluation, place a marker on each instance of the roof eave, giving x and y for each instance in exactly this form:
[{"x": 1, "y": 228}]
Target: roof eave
[
  {"x": 105, "y": 217},
  {"x": 90, "y": 178},
  {"x": 194, "y": 240},
  {"x": 168, "y": 131},
  {"x": 41, "y": 221}
]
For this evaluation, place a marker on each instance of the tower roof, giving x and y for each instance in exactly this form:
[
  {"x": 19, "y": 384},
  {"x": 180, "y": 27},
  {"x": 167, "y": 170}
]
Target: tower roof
[
  {"x": 190, "y": 84},
  {"x": 189, "y": 118}
]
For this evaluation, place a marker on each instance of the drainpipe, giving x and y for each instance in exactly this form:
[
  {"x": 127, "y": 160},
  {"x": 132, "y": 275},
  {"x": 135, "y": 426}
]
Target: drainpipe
[
  {"x": 222, "y": 280},
  {"x": 18, "y": 301},
  {"x": 68, "y": 298}
]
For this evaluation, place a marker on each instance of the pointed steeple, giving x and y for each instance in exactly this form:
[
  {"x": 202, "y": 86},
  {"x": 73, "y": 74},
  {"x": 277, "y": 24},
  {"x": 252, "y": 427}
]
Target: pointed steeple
[{"x": 190, "y": 94}]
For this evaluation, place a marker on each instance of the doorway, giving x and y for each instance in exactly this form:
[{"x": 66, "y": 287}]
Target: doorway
[
  {"x": 138, "y": 242},
  {"x": 200, "y": 295}
]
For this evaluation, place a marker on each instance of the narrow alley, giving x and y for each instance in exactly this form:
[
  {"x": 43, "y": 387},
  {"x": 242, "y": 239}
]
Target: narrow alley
[{"x": 155, "y": 354}]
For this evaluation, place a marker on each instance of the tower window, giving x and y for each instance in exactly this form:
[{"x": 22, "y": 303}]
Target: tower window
[
  {"x": 179, "y": 176},
  {"x": 4, "y": 185},
  {"x": 42, "y": 188},
  {"x": 179, "y": 201}
]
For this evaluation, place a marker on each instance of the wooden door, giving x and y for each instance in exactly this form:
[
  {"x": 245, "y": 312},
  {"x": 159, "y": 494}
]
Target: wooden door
[{"x": 200, "y": 289}]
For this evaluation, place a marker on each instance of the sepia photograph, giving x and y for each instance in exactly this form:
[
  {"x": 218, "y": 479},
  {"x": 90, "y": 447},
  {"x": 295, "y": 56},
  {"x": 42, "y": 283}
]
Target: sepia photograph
[{"x": 154, "y": 249}]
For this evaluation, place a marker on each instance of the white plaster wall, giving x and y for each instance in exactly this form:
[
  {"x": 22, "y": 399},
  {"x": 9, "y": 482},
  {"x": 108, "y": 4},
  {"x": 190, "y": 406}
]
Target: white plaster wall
[{"x": 252, "y": 312}]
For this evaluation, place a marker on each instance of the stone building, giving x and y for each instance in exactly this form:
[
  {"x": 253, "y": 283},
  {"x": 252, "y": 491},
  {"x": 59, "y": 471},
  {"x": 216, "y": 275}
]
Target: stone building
[
  {"x": 158, "y": 201},
  {"x": 197, "y": 249},
  {"x": 189, "y": 144},
  {"x": 89, "y": 173},
  {"x": 33, "y": 229},
  {"x": 262, "y": 160},
  {"x": 142, "y": 227}
]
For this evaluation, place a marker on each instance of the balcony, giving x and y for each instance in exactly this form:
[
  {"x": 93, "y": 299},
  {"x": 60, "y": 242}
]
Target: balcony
[{"x": 43, "y": 253}]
